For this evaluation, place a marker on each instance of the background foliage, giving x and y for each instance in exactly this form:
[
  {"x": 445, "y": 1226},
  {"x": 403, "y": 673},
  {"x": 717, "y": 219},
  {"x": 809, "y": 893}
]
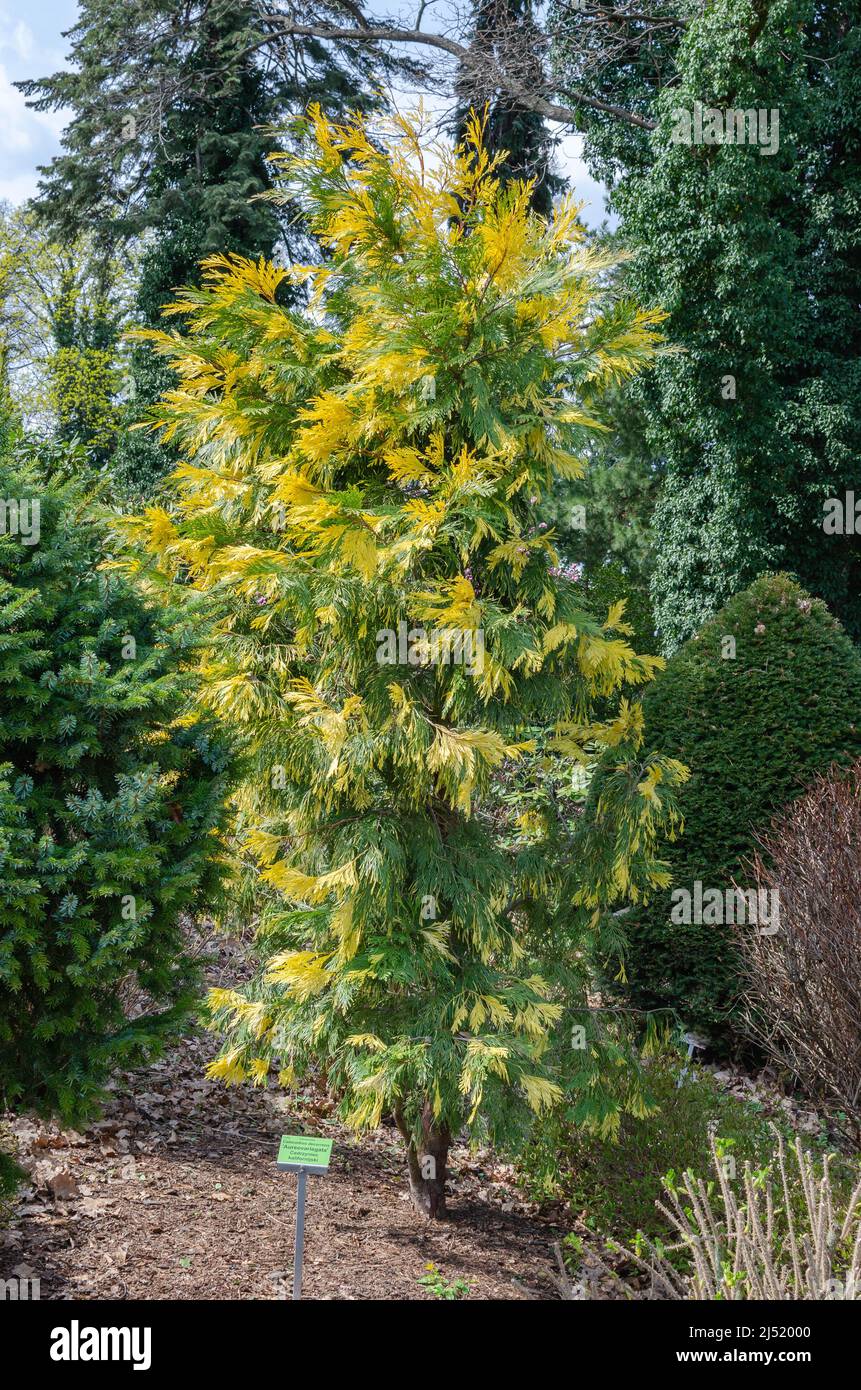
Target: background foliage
[{"x": 753, "y": 729}]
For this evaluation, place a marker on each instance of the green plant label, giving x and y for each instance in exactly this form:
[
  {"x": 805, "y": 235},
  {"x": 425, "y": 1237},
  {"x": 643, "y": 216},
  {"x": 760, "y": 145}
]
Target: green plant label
[{"x": 301, "y": 1151}]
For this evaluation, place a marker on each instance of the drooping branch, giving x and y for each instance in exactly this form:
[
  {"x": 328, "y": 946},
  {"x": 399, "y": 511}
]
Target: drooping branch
[{"x": 506, "y": 80}]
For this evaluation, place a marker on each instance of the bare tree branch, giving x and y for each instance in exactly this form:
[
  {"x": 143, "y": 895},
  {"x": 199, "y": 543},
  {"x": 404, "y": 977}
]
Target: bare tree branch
[{"x": 467, "y": 56}]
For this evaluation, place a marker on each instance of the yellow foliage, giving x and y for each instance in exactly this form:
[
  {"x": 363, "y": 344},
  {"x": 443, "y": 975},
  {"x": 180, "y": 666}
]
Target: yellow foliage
[
  {"x": 308, "y": 887},
  {"x": 369, "y": 464},
  {"x": 540, "y": 1093},
  {"x": 303, "y": 973}
]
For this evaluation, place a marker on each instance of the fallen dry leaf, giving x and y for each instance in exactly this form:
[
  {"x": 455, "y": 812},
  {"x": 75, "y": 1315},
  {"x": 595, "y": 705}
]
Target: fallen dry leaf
[
  {"x": 64, "y": 1185},
  {"x": 60, "y": 1182}
]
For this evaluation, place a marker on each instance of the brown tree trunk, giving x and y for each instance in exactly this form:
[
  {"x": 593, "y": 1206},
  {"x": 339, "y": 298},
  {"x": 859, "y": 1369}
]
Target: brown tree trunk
[{"x": 427, "y": 1164}]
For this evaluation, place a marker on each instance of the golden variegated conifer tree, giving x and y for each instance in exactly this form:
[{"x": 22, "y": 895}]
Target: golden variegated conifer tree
[{"x": 360, "y": 483}]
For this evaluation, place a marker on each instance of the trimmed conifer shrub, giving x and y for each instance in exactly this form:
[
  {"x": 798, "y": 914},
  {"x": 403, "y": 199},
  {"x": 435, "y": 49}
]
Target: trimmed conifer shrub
[
  {"x": 110, "y": 804},
  {"x": 767, "y": 695}
]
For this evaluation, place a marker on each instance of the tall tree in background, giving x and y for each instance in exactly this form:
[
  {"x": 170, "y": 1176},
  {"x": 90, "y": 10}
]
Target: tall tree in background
[
  {"x": 63, "y": 307},
  {"x": 757, "y": 258},
  {"x": 168, "y": 100},
  {"x": 208, "y": 169},
  {"x": 161, "y": 93},
  {"x": 507, "y": 29}
]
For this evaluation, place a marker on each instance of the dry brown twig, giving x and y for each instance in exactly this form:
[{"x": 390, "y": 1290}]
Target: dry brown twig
[
  {"x": 736, "y": 1248},
  {"x": 804, "y": 980},
  {"x": 520, "y": 61}
]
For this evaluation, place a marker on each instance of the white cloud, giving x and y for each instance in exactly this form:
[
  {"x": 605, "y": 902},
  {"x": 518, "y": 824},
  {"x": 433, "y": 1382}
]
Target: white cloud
[
  {"x": 23, "y": 40},
  {"x": 16, "y": 36},
  {"x": 17, "y": 188},
  {"x": 593, "y": 195},
  {"x": 29, "y": 138},
  {"x": 16, "y": 120}
]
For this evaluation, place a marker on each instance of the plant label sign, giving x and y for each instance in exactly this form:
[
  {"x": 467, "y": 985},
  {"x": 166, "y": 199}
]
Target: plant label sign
[{"x": 300, "y": 1152}]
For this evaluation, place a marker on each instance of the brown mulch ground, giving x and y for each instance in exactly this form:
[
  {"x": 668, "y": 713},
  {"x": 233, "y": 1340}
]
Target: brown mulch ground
[{"x": 174, "y": 1194}]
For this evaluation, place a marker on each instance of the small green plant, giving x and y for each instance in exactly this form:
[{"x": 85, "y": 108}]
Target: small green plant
[
  {"x": 612, "y": 1185},
  {"x": 433, "y": 1280}
]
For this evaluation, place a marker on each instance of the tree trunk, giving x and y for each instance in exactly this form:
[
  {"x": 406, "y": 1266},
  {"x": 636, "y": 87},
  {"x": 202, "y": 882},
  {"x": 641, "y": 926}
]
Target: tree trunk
[{"x": 427, "y": 1163}]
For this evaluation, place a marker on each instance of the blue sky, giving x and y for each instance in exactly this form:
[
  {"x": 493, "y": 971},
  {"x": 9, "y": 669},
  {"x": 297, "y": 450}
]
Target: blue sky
[{"x": 31, "y": 45}]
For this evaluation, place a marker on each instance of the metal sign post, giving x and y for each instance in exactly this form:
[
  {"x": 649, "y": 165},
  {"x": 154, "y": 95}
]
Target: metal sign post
[
  {"x": 302, "y": 1155},
  {"x": 694, "y": 1044},
  {"x": 299, "y": 1248}
]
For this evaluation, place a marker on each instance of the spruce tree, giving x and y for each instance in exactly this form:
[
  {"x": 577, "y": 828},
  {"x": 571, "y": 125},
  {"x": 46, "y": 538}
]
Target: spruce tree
[
  {"x": 208, "y": 168},
  {"x": 158, "y": 89},
  {"x": 360, "y": 490},
  {"x": 110, "y": 803}
]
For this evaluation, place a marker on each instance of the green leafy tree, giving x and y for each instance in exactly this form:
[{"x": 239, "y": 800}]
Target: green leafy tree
[
  {"x": 63, "y": 307},
  {"x": 755, "y": 257},
  {"x": 615, "y": 61},
  {"x": 368, "y": 464},
  {"x": 110, "y": 804}
]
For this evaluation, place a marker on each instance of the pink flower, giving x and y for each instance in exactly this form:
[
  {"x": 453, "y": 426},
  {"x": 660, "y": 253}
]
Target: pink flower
[{"x": 573, "y": 572}]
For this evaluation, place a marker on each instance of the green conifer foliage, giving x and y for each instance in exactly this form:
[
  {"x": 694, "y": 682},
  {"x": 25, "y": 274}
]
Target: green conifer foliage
[
  {"x": 751, "y": 246},
  {"x": 110, "y": 804}
]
